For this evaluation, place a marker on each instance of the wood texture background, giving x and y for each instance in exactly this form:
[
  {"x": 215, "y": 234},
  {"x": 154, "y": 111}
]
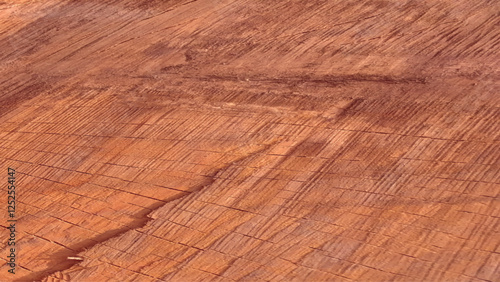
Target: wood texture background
[{"x": 236, "y": 140}]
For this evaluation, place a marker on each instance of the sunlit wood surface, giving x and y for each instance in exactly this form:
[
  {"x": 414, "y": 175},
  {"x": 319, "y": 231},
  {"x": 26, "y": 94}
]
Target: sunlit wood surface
[{"x": 238, "y": 140}]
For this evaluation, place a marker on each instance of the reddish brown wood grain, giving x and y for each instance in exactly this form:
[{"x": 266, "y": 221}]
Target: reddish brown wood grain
[{"x": 237, "y": 140}]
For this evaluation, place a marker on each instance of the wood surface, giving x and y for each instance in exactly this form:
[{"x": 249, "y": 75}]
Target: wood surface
[{"x": 238, "y": 140}]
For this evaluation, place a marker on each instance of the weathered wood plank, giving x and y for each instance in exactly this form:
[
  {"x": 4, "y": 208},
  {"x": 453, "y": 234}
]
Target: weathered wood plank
[{"x": 248, "y": 140}]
